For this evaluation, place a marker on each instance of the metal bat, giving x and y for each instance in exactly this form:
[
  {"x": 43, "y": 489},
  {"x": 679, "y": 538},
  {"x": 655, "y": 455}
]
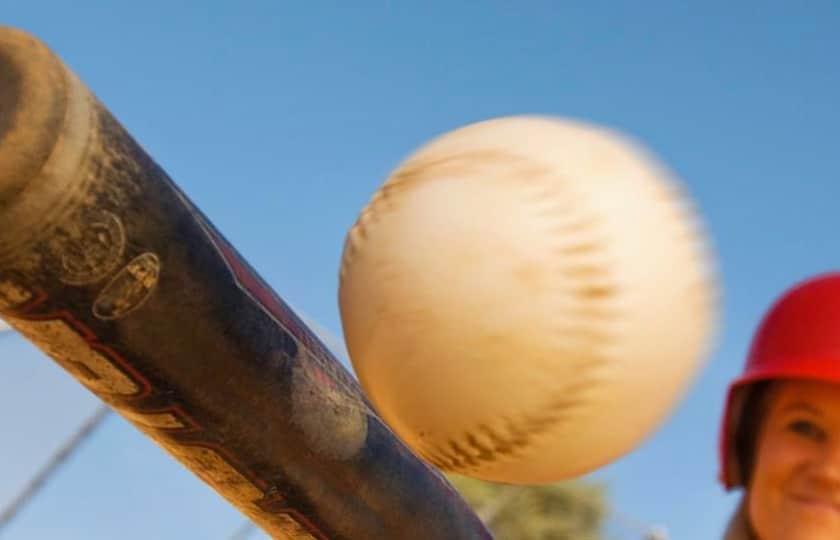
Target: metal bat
[{"x": 109, "y": 269}]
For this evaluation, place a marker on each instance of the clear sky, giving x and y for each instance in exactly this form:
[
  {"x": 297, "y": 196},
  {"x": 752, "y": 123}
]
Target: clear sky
[{"x": 281, "y": 118}]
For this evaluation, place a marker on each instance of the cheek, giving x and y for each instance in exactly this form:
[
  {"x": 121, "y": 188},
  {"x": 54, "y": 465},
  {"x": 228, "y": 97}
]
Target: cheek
[
  {"x": 775, "y": 461},
  {"x": 762, "y": 510},
  {"x": 779, "y": 470},
  {"x": 775, "y": 466}
]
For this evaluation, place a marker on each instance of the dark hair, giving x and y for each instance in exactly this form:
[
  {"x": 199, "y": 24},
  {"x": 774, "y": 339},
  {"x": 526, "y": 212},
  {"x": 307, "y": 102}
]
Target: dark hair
[{"x": 749, "y": 427}]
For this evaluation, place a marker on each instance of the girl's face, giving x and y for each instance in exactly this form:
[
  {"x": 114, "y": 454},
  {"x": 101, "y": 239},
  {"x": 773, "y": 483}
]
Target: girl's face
[{"x": 794, "y": 493}]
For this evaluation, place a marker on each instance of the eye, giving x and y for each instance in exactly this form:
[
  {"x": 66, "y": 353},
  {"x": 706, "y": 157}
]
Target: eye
[{"x": 807, "y": 428}]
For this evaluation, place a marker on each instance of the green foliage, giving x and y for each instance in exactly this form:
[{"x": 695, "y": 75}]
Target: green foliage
[{"x": 565, "y": 511}]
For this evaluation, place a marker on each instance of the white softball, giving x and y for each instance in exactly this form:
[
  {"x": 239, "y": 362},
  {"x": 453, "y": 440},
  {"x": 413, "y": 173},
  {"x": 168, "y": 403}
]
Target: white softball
[{"x": 526, "y": 299}]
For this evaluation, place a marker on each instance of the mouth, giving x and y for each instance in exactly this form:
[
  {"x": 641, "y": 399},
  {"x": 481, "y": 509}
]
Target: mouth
[{"x": 817, "y": 503}]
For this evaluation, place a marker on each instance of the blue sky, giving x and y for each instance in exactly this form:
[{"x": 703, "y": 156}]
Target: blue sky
[{"x": 280, "y": 119}]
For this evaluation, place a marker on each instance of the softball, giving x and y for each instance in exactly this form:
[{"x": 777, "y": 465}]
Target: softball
[{"x": 527, "y": 299}]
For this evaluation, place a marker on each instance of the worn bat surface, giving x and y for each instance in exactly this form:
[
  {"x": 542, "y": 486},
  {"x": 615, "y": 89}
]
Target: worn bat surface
[{"x": 109, "y": 269}]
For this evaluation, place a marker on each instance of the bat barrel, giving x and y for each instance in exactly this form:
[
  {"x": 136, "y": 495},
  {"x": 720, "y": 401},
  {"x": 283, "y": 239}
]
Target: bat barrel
[{"x": 109, "y": 268}]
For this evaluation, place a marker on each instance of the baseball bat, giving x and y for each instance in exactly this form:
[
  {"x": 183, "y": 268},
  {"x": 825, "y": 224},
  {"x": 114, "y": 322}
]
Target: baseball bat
[{"x": 108, "y": 268}]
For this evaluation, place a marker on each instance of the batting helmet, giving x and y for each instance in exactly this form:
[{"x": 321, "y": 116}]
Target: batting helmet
[{"x": 799, "y": 338}]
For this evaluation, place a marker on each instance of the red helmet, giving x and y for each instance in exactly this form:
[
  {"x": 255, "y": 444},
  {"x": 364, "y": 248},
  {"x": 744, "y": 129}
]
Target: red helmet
[{"x": 799, "y": 338}]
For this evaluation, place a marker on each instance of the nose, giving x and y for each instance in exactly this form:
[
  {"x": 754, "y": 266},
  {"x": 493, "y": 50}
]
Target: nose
[{"x": 825, "y": 466}]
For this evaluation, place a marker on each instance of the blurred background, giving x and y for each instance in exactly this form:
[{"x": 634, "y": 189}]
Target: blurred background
[{"x": 280, "y": 119}]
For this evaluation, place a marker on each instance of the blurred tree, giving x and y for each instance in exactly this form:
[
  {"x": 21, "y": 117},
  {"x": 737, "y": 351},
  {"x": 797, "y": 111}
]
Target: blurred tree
[{"x": 565, "y": 511}]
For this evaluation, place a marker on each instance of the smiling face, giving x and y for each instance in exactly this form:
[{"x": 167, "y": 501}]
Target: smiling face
[{"x": 794, "y": 492}]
